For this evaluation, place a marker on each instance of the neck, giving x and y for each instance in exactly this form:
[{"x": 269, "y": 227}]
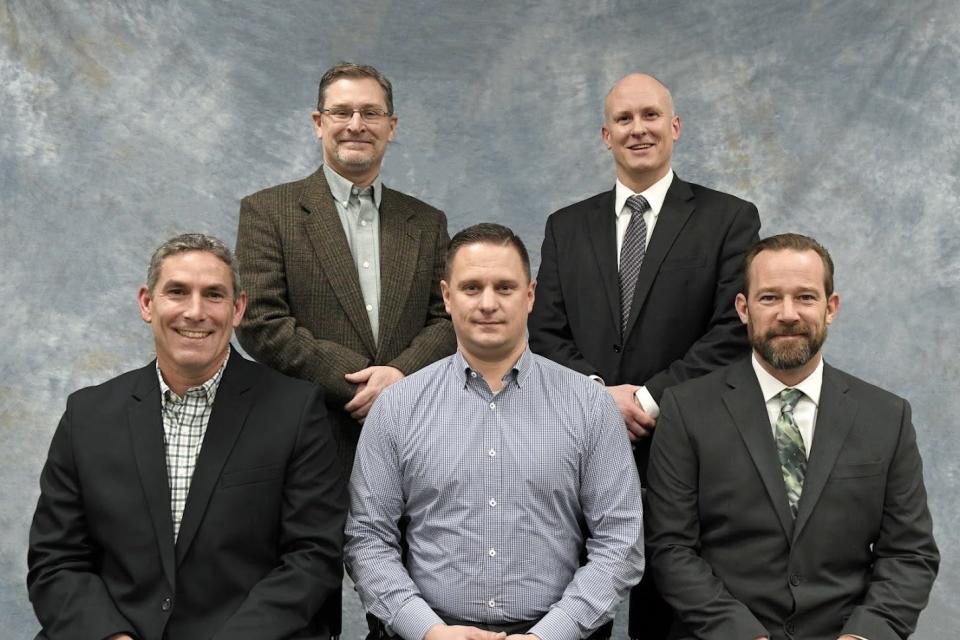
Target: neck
[
  {"x": 493, "y": 367},
  {"x": 179, "y": 381},
  {"x": 642, "y": 182},
  {"x": 790, "y": 377},
  {"x": 361, "y": 178}
]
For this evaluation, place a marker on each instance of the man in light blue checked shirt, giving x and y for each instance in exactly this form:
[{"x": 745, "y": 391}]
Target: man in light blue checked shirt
[{"x": 494, "y": 493}]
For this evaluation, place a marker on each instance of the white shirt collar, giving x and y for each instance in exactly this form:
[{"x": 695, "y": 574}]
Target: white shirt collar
[
  {"x": 655, "y": 194},
  {"x": 770, "y": 386}
]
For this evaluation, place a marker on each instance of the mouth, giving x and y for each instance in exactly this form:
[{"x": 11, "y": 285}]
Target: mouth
[
  {"x": 641, "y": 146},
  {"x": 193, "y": 335}
]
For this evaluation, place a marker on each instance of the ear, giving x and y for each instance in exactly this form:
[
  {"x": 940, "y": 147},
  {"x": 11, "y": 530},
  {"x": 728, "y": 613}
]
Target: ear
[
  {"x": 676, "y": 126},
  {"x": 318, "y": 124},
  {"x": 239, "y": 307},
  {"x": 445, "y": 292},
  {"x": 145, "y": 300},
  {"x": 741, "y": 304},
  {"x": 531, "y": 295},
  {"x": 833, "y": 306},
  {"x": 605, "y": 134},
  {"x": 393, "y": 128}
]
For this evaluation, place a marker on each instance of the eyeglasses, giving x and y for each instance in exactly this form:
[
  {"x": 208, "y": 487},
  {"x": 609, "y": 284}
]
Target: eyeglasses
[{"x": 369, "y": 115}]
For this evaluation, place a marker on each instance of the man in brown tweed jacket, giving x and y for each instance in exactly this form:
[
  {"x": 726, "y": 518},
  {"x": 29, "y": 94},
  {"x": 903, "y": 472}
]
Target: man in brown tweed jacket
[{"x": 343, "y": 273}]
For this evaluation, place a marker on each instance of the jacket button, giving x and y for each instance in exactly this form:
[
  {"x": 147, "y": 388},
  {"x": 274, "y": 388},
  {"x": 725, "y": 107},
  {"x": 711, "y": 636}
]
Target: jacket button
[
  {"x": 791, "y": 628},
  {"x": 166, "y": 604},
  {"x": 795, "y": 580},
  {"x": 616, "y": 348}
]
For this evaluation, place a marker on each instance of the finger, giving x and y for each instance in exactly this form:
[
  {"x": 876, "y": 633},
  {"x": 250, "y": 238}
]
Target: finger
[
  {"x": 637, "y": 430},
  {"x": 358, "y": 376}
]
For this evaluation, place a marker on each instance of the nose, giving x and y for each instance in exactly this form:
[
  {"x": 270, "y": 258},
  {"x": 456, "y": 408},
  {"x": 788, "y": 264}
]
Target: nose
[
  {"x": 356, "y": 123},
  {"x": 638, "y": 127},
  {"x": 788, "y": 311},
  {"x": 488, "y": 300},
  {"x": 196, "y": 309}
]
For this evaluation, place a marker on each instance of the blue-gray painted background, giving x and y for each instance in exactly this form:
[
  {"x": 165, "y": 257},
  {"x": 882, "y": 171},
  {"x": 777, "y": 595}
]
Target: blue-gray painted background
[{"x": 123, "y": 122}]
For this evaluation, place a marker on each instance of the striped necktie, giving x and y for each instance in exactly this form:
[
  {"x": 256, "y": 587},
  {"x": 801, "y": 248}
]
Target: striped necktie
[{"x": 632, "y": 250}]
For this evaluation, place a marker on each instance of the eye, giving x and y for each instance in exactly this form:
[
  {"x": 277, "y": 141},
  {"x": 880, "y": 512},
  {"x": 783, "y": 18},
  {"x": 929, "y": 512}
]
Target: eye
[
  {"x": 766, "y": 297},
  {"x": 651, "y": 115},
  {"x": 216, "y": 295},
  {"x": 372, "y": 114},
  {"x": 623, "y": 118},
  {"x": 340, "y": 112}
]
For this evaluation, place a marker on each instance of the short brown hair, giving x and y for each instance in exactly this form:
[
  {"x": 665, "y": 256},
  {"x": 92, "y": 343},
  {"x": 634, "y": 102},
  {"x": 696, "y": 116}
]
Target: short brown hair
[
  {"x": 353, "y": 70},
  {"x": 487, "y": 233},
  {"x": 193, "y": 242},
  {"x": 790, "y": 242}
]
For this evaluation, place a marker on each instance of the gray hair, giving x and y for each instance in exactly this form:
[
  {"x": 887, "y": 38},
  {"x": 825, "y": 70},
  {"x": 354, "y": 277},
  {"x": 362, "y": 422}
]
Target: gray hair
[
  {"x": 353, "y": 70},
  {"x": 193, "y": 242}
]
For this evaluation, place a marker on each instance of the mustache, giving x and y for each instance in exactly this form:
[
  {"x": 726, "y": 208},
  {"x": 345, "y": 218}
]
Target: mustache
[{"x": 795, "y": 330}]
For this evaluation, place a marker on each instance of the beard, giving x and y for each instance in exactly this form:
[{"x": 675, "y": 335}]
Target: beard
[
  {"x": 354, "y": 159},
  {"x": 792, "y": 354}
]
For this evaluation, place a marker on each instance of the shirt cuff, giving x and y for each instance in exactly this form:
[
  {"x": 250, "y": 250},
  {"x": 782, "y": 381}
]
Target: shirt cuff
[
  {"x": 556, "y": 625},
  {"x": 647, "y": 403},
  {"x": 414, "y": 619},
  {"x": 597, "y": 378}
]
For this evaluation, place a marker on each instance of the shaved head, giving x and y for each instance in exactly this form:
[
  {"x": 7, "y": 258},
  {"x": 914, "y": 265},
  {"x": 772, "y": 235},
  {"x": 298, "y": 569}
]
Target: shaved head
[{"x": 634, "y": 82}]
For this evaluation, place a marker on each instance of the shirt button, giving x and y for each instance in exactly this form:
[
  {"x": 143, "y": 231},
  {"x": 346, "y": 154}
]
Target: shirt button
[
  {"x": 473, "y": 374},
  {"x": 492, "y": 452},
  {"x": 491, "y": 603},
  {"x": 493, "y": 405},
  {"x": 363, "y": 223},
  {"x": 166, "y": 604},
  {"x": 369, "y": 307},
  {"x": 366, "y": 265},
  {"x": 492, "y": 502},
  {"x": 492, "y": 552},
  {"x": 795, "y": 580}
]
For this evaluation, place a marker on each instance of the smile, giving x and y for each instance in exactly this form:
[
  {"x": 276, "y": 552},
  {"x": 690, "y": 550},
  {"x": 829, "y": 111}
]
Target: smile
[
  {"x": 193, "y": 335},
  {"x": 641, "y": 147}
]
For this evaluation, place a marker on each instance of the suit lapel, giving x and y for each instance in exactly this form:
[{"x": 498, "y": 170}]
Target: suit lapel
[
  {"x": 325, "y": 231},
  {"x": 230, "y": 408},
  {"x": 602, "y": 229},
  {"x": 676, "y": 210},
  {"x": 744, "y": 401},
  {"x": 145, "y": 423},
  {"x": 399, "y": 248},
  {"x": 835, "y": 417}
]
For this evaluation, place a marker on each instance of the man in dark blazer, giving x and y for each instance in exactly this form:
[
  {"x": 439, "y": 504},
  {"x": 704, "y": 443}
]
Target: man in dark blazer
[
  {"x": 343, "y": 274},
  {"x": 198, "y": 497},
  {"x": 640, "y": 332},
  {"x": 786, "y": 497}
]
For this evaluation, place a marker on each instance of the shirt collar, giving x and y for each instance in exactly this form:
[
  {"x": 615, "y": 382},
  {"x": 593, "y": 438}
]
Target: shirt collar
[
  {"x": 655, "y": 194},
  {"x": 341, "y": 188},
  {"x": 207, "y": 390},
  {"x": 770, "y": 386},
  {"x": 519, "y": 371}
]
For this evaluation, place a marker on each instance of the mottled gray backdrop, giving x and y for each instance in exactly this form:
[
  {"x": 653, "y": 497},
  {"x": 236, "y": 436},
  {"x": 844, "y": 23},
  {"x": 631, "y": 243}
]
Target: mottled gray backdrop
[{"x": 123, "y": 122}]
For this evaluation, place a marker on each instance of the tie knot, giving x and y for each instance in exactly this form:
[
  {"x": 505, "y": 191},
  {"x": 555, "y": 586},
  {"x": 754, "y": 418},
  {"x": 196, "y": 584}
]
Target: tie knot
[
  {"x": 637, "y": 203},
  {"x": 788, "y": 399}
]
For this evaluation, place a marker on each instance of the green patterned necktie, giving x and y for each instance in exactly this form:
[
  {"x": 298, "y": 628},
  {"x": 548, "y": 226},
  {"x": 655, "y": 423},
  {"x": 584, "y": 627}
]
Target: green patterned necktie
[{"x": 793, "y": 457}]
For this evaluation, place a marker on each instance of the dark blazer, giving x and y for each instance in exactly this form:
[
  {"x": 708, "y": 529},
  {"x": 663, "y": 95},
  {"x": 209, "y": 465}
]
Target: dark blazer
[
  {"x": 682, "y": 321},
  {"x": 305, "y": 316},
  {"x": 259, "y": 549},
  {"x": 860, "y": 558}
]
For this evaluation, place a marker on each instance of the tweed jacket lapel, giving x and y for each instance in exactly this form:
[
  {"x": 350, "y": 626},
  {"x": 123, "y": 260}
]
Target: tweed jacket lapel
[
  {"x": 325, "y": 231},
  {"x": 145, "y": 423},
  {"x": 744, "y": 401},
  {"x": 676, "y": 210},
  {"x": 399, "y": 251}
]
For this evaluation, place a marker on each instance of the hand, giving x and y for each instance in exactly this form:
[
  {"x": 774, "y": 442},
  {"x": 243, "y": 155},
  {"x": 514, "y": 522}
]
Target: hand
[
  {"x": 523, "y": 636},
  {"x": 457, "y": 632},
  {"x": 119, "y": 636},
  {"x": 847, "y": 636},
  {"x": 639, "y": 423},
  {"x": 370, "y": 382}
]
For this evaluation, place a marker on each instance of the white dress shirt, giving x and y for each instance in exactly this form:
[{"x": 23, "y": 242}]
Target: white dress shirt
[{"x": 805, "y": 411}]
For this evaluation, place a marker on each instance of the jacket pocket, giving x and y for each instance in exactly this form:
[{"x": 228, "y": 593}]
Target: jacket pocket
[
  {"x": 862, "y": 470},
  {"x": 250, "y": 476}
]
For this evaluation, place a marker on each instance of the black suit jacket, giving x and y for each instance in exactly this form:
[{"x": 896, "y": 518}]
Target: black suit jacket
[
  {"x": 260, "y": 543},
  {"x": 682, "y": 321},
  {"x": 726, "y": 553}
]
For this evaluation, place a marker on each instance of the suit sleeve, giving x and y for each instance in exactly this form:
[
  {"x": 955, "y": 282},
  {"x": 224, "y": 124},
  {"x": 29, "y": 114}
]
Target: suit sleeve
[
  {"x": 549, "y": 327},
  {"x": 310, "y": 567},
  {"x": 269, "y": 332},
  {"x": 906, "y": 555},
  {"x": 684, "y": 578},
  {"x": 70, "y": 599},
  {"x": 725, "y": 339},
  {"x": 436, "y": 339}
]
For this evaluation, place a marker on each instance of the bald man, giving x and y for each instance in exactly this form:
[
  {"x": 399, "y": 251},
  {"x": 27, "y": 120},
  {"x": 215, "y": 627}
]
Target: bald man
[{"x": 637, "y": 284}]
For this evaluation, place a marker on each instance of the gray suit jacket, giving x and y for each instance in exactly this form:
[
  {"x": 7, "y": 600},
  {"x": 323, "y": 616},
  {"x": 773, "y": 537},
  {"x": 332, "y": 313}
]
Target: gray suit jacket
[
  {"x": 306, "y": 316},
  {"x": 726, "y": 553}
]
